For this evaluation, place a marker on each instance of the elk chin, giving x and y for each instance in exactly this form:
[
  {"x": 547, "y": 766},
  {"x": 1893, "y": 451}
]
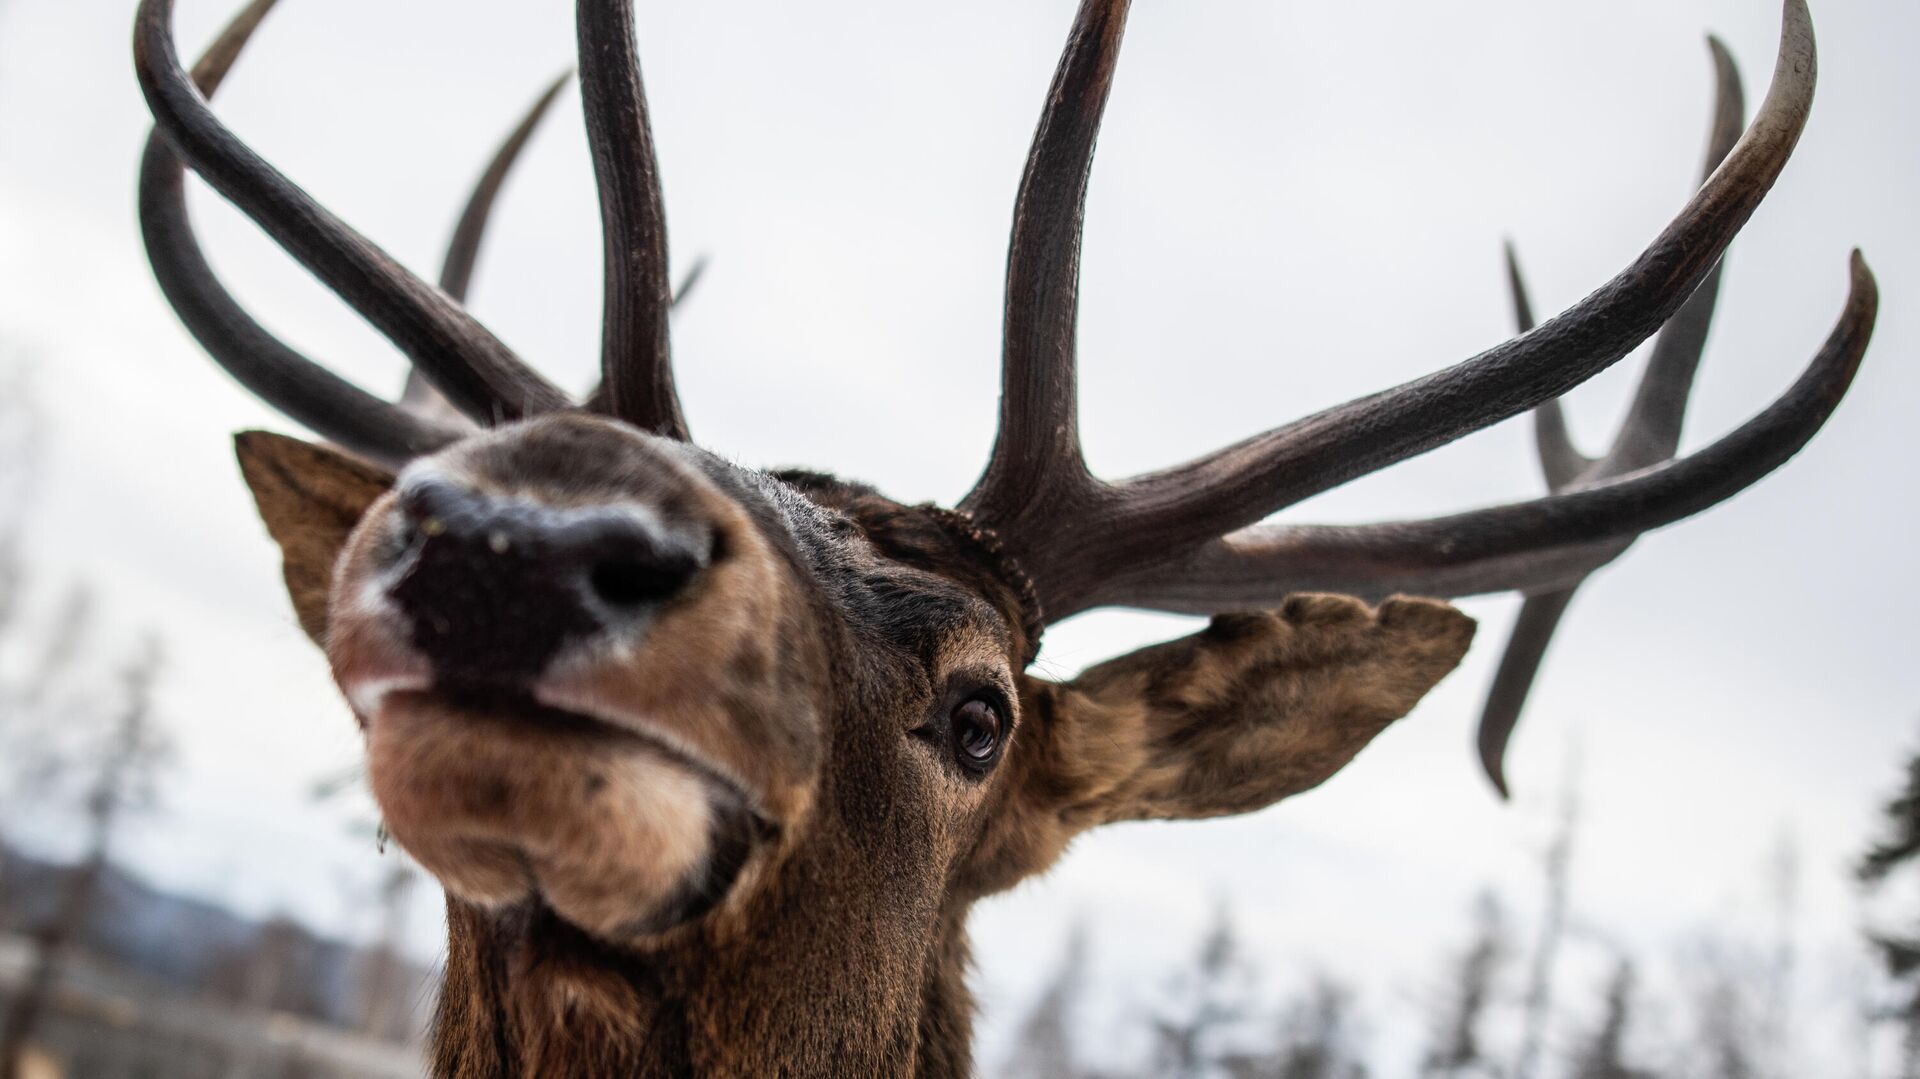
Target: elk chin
[{"x": 511, "y": 803}]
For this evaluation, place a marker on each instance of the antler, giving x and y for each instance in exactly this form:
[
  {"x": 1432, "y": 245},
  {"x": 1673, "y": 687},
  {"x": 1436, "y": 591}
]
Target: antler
[
  {"x": 1650, "y": 434},
  {"x": 1186, "y": 538},
  {"x": 261, "y": 362},
  {"x": 636, "y": 360},
  {"x": 465, "y": 363},
  {"x": 463, "y": 250},
  {"x": 1183, "y": 539},
  {"x": 1533, "y": 546},
  {"x": 474, "y": 369}
]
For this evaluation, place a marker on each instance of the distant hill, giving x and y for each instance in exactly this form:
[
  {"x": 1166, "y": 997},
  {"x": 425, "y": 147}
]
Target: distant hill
[{"x": 197, "y": 949}]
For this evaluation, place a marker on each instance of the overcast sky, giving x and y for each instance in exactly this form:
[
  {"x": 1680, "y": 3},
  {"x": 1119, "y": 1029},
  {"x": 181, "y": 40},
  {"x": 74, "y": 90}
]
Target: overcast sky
[{"x": 1293, "y": 204}]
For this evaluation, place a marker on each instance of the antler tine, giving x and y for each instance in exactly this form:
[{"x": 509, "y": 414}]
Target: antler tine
[
  {"x": 476, "y": 371},
  {"x": 1540, "y": 612},
  {"x": 636, "y": 358},
  {"x": 292, "y": 383},
  {"x": 1245, "y": 482},
  {"x": 1560, "y": 459},
  {"x": 463, "y": 250},
  {"x": 1534, "y": 546},
  {"x": 1561, "y": 462},
  {"x": 1036, "y": 455},
  {"x": 1533, "y": 631},
  {"x": 1651, "y": 433},
  {"x": 689, "y": 280}
]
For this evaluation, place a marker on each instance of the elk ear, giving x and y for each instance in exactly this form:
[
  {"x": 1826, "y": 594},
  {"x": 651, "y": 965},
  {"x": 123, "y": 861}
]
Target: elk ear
[
  {"x": 310, "y": 498},
  {"x": 1253, "y": 709}
]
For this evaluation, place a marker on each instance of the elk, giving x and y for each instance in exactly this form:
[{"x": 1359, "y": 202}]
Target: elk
[{"x": 713, "y": 762}]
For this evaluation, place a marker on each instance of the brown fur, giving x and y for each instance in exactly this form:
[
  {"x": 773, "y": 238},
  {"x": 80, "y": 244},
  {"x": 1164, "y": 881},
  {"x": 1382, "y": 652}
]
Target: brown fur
[
  {"x": 310, "y": 498},
  {"x": 807, "y": 665}
]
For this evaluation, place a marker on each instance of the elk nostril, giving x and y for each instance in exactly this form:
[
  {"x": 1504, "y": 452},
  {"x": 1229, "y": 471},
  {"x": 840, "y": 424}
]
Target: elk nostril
[
  {"x": 630, "y": 582},
  {"x": 495, "y": 586}
]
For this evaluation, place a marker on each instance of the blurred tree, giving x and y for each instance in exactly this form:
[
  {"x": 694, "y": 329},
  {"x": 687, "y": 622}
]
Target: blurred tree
[
  {"x": 127, "y": 762},
  {"x": 20, "y": 440},
  {"x": 37, "y": 738},
  {"x": 1204, "y": 1005},
  {"x": 1898, "y": 953},
  {"x": 384, "y": 970},
  {"x": 278, "y": 970},
  {"x": 1316, "y": 1039},
  {"x": 1604, "y": 1054},
  {"x": 1044, "y": 1047},
  {"x": 1775, "y": 1014},
  {"x": 31, "y": 761},
  {"x": 61, "y": 646},
  {"x": 1458, "y": 1051},
  {"x": 1727, "y": 988},
  {"x": 1556, "y": 868}
]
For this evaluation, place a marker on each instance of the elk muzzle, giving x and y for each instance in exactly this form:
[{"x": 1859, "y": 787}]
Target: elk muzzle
[{"x": 594, "y": 693}]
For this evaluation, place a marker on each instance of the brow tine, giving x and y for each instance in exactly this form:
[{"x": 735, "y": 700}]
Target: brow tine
[
  {"x": 1651, "y": 431},
  {"x": 636, "y": 360},
  {"x": 463, "y": 250},
  {"x": 1545, "y": 542},
  {"x": 1038, "y": 445},
  {"x": 1560, "y": 459},
  {"x": 1532, "y": 632},
  {"x": 476, "y": 371},
  {"x": 289, "y": 381},
  {"x": 1247, "y": 481}
]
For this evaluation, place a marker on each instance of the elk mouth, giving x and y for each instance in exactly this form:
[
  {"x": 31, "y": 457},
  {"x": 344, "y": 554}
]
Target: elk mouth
[{"x": 510, "y": 802}]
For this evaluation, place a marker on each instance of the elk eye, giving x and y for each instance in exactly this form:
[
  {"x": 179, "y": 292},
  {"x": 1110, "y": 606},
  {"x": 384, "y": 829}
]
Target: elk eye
[{"x": 978, "y": 733}]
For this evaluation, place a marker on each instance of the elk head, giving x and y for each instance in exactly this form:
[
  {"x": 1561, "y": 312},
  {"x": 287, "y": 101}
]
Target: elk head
[{"x": 713, "y": 761}]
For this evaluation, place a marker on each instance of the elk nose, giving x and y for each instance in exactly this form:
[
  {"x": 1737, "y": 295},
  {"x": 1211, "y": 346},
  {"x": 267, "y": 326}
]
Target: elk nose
[{"x": 494, "y": 587}]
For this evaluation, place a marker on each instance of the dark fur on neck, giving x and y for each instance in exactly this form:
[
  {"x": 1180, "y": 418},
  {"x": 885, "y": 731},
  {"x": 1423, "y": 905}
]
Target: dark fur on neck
[{"x": 841, "y": 994}]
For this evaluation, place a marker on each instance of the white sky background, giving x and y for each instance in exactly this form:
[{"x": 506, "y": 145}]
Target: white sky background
[{"x": 1293, "y": 204}]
